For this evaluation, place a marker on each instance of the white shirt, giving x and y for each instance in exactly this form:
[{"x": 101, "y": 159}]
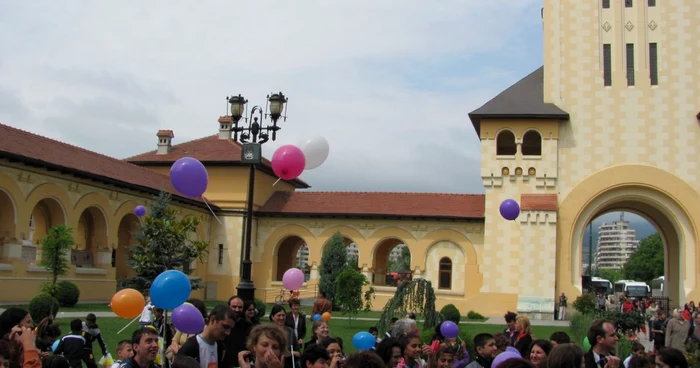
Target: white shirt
[
  {"x": 147, "y": 314},
  {"x": 208, "y": 354}
]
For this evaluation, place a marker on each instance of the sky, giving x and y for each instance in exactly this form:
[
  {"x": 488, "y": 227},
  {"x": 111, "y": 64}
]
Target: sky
[{"x": 388, "y": 83}]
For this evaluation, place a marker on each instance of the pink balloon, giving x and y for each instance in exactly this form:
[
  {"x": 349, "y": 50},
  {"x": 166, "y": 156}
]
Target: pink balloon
[
  {"x": 288, "y": 162},
  {"x": 293, "y": 279}
]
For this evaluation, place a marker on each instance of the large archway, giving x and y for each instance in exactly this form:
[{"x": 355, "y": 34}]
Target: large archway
[
  {"x": 7, "y": 217},
  {"x": 47, "y": 213},
  {"x": 637, "y": 189},
  {"x": 391, "y": 262},
  {"x": 128, "y": 225},
  {"x": 90, "y": 236},
  {"x": 289, "y": 255}
]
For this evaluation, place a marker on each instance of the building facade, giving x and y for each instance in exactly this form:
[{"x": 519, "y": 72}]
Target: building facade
[
  {"x": 608, "y": 123},
  {"x": 616, "y": 243}
]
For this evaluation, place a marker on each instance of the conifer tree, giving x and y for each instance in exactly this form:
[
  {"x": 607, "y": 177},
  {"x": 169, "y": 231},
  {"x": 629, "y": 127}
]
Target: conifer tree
[
  {"x": 163, "y": 243},
  {"x": 333, "y": 261}
]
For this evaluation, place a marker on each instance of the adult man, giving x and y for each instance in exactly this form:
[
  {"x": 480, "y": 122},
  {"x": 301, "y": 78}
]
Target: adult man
[
  {"x": 235, "y": 342},
  {"x": 562, "y": 306},
  {"x": 144, "y": 342},
  {"x": 603, "y": 338},
  {"x": 205, "y": 347},
  {"x": 510, "y": 318},
  {"x": 321, "y": 305}
]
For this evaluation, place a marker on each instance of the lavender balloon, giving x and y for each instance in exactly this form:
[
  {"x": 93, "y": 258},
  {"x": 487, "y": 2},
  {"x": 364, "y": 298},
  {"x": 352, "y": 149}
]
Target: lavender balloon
[
  {"x": 140, "y": 211},
  {"x": 449, "y": 329},
  {"x": 293, "y": 279},
  {"x": 510, "y": 210},
  {"x": 503, "y": 357},
  {"x": 188, "y": 319},
  {"x": 189, "y": 177}
]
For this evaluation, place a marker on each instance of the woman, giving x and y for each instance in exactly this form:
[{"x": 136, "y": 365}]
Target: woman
[
  {"x": 250, "y": 313},
  {"x": 180, "y": 338},
  {"x": 296, "y": 320},
  {"x": 16, "y": 328},
  {"x": 677, "y": 331},
  {"x": 266, "y": 346},
  {"x": 650, "y": 316},
  {"x": 565, "y": 356},
  {"x": 539, "y": 350},
  {"x": 278, "y": 316},
  {"x": 334, "y": 348},
  {"x": 523, "y": 335},
  {"x": 671, "y": 358},
  {"x": 390, "y": 351},
  {"x": 319, "y": 331}
]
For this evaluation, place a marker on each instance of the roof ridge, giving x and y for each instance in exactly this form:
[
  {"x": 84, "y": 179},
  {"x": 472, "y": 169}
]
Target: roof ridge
[
  {"x": 179, "y": 144},
  {"x": 81, "y": 149}
]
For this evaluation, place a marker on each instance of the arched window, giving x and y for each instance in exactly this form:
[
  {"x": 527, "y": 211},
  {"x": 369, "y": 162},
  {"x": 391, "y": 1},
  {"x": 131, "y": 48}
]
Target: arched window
[
  {"x": 445, "y": 278},
  {"x": 532, "y": 144},
  {"x": 505, "y": 143}
]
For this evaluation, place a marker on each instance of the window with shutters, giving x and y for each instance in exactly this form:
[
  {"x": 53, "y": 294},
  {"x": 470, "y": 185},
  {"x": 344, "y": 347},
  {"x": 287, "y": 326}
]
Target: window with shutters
[
  {"x": 653, "y": 65},
  {"x": 628, "y": 3},
  {"x": 629, "y": 56},
  {"x": 445, "y": 278},
  {"x": 651, "y": 3},
  {"x": 607, "y": 65},
  {"x": 606, "y": 4}
]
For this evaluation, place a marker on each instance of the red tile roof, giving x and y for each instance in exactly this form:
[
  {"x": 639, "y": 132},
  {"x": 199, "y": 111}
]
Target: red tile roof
[
  {"x": 208, "y": 150},
  {"x": 538, "y": 202},
  {"x": 32, "y": 149},
  {"x": 435, "y": 205}
]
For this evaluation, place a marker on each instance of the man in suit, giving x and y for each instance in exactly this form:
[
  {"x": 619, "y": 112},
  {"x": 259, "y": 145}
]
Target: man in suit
[
  {"x": 295, "y": 320},
  {"x": 603, "y": 338}
]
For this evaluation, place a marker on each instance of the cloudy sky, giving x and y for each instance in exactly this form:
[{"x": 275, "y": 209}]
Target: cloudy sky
[{"x": 389, "y": 83}]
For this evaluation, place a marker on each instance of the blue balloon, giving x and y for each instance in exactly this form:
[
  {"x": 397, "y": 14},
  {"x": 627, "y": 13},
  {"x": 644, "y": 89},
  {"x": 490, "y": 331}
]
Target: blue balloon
[
  {"x": 170, "y": 289},
  {"x": 364, "y": 340},
  {"x": 55, "y": 345},
  {"x": 316, "y": 317}
]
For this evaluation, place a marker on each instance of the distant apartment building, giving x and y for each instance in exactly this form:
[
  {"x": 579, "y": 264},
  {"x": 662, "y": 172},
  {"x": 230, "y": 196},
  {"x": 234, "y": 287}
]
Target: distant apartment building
[
  {"x": 396, "y": 252},
  {"x": 616, "y": 243},
  {"x": 303, "y": 254}
]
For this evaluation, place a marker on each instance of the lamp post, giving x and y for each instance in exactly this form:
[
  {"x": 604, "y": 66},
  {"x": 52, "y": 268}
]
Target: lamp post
[{"x": 252, "y": 133}]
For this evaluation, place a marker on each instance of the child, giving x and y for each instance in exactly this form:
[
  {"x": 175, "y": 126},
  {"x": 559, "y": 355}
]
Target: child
[
  {"x": 444, "y": 357},
  {"x": 91, "y": 332},
  {"x": 375, "y": 332},
  {"x": 637, "y": 350},
  {"x": 147, "y": 314},
  {"x": 72, "y": 346},
  {"x": 124, "y": 352},
  {"x": 486, "y": 350}
]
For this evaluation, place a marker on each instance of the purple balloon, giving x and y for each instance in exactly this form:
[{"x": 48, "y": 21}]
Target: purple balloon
[
  {"x": 449, "y": 329},
  {"x": 140, "y": 211},
  {"x": 189, "y": 177},
  {"x": 504, "y": 356},
  {"x": 188, "y": 319},
  {"x": 293, "y": 279},
  {"x": 510, "y": 210}
]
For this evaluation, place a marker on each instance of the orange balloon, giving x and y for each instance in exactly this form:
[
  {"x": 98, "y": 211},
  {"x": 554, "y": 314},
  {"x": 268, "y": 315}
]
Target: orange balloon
[
  {"x": 326, "y": 316},
  {"x": 128, "y": 303}
]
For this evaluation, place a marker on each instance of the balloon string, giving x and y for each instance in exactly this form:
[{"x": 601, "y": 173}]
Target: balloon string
[
  {"x": 278, "y": 180},
  {"x": 210, "y": 210}
]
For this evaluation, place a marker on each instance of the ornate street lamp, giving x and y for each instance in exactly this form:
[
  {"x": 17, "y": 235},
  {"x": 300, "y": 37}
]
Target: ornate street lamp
[{"x": 251, "y": 137}]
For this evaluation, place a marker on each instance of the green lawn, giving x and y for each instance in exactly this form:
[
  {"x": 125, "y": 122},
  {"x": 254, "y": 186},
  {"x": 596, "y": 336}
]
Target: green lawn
[{"x": 339, "y": 328}]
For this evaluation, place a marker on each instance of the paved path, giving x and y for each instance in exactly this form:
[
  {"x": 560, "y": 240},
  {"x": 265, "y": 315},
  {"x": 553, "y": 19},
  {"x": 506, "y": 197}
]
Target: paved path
[{"x": 490, "y": 321}]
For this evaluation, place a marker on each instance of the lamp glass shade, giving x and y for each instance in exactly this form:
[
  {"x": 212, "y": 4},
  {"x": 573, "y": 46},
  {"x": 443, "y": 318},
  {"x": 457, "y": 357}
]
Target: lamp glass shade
[
  {"x": 237, "y": 108},
  {"x": 276, "y": 104}
]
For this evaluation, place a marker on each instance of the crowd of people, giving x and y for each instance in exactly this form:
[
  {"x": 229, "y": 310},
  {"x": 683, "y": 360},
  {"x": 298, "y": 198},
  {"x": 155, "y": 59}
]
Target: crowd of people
[{"x": 233, "y": 336}]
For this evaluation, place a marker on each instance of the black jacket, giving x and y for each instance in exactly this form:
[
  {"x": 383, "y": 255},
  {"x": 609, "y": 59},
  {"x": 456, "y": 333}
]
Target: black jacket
[
  {"x": 72, "y": 347},
  {"x": 92, "y": 334},
  {"x": 589, "y": 360},
  {"x": 301, "y": 326},
  {"x": 131, "y": 363}
]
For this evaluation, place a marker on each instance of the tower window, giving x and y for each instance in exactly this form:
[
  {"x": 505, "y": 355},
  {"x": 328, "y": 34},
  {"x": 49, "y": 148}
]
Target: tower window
[
  {"x": 629, "y": 55},
  {"x": 532, "y": 144},
  {"x": 606, "y": 4},
  {"x": 607, "y": 65},
  {"x": 221, "y": 254},
  {"x": 651, "y": 3},
  {"x": 505, "y": 143},
  {"x": 628, "y": 3},
  {"x": 653, "y": 65}
]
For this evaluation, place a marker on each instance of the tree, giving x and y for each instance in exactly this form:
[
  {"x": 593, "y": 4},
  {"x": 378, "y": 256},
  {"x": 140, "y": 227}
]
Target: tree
[
  {"x": 403, "y": 262},
  {"x": 333, "y": 261},
  {"x": 163, "y": 243},
  {"x": 54, "y": 253},
  {"x": 348, "y": 292},
  {"x": 354, "y": 261},
  {"x": 647, "y": 262},
  {"x": 417, "y": 295},
  {"x": 610, "y": 275}
]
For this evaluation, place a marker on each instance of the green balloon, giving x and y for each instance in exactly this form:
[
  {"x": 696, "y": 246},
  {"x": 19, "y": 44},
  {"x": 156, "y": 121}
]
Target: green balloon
[{"x": 586, "y": 344}]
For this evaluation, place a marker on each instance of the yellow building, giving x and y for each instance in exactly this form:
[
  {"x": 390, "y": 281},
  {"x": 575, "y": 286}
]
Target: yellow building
[{"x": 608, "y": 123}]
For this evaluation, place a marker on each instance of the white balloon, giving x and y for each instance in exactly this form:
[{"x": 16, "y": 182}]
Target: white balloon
[{"x": 316, "y": 151}]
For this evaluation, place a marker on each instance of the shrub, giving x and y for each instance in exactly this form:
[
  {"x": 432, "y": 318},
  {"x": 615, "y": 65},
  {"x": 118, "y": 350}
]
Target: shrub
[
  {"x": 474, "y": 315},
  {"x": 67, "y": 294},
  {"x": 260, "y": 307},
  {"x": 42, "y": 306},
  {"x": 579, "y": 323},
  {"x": 585, "y": 303},
  {"x": 450, "y": 313}
]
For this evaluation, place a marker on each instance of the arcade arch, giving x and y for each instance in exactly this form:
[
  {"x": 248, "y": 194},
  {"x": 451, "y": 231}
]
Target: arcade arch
[
  {"x": 128, "y": 225},
  {"x": 90, "y": 236},
  {"x": 288, "y": 253},
  {"x": 637, "y": 189},
  {"x": 383, "y": 254},
  {"x": 8, "y": 216}
]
